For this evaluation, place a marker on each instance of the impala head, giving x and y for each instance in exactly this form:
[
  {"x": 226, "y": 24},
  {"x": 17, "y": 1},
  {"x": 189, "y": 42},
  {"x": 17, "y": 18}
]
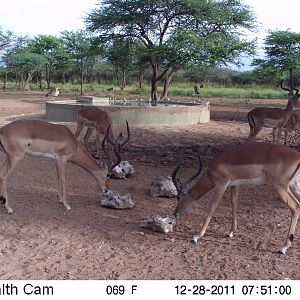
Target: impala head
[
  {"x": 117, "y": 145},
  {"x": 291, "y": 94},
  {"x": 183, "y": 202}
]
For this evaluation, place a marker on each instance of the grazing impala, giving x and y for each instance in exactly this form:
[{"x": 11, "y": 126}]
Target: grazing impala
[
  {"x": 248, "y": 164},
  {"x": 94, "y": 117},
  {"x": 275, "y": 118},
  {"x": 41, "y": 138},
  {"x": 293, "y": 121}
]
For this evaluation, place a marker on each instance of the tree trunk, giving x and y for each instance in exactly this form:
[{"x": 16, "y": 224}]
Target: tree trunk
[
  {"x": 123, "y": 80},
  {"x": 63, "y": 75},
  {"x": 154, "y": 85},
  {"x": 141, "y": 79},
  {"x": 16, "y": 81},
  {"x": 81, "y": 77},
  {"x": 48, "y": 75},
  {"x": 117, "y": 76},
  {"x": 40, "y": 80},
  {"x": 167, "y": 81},
  {"x": 5, "y": 80},
  {"x": 28, "y": 79},
  {"x": 154, "y": 82}
]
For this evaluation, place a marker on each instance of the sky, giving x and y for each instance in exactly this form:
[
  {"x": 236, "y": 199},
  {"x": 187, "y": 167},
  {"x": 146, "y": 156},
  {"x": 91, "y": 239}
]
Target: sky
[
  {"x": 275, "y": 15},
  {"x": 34, "y": 17}
]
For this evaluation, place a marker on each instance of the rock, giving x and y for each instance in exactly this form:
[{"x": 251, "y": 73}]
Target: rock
[
  {"x": 159, "y": 223},
  {"x": 123, "y": 170},
  {"x": 114, "y": 200},
  {"x": 163, "y": 187}
]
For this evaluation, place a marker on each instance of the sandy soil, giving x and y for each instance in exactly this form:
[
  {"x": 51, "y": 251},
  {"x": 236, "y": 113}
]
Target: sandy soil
[{"x": 41, "y": 241}]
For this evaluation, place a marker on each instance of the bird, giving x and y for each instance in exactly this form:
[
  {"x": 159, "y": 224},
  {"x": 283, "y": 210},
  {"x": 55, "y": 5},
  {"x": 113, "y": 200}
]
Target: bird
[
  {"x": 53, "y": 93},
  {"x": 197, "y": 92}
]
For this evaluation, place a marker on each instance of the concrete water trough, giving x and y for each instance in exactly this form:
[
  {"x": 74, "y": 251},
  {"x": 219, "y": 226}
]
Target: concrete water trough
[{"x": 135, "y": 112}]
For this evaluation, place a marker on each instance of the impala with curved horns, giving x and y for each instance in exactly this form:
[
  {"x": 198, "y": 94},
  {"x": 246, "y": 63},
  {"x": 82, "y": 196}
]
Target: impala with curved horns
[
  {"x": 248, "y": 164},
  {"x": 275, "y": 118},
  {"x": 55, "y": 141},
  {"x": 94, "y": 117}
]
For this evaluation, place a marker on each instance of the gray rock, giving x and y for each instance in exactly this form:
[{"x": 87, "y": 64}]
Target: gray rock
[
  {"x": 159, "y": 223},
  {"x": 163, "y": 187},
  {"x": 123, "y": 170},
  {"x": 114, "y": 200}
]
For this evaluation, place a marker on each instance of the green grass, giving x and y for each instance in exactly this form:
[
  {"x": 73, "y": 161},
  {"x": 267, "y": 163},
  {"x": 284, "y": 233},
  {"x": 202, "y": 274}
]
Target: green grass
[
  {"x": 245, "y": 92},
  {"x": 175, "y": 89}
]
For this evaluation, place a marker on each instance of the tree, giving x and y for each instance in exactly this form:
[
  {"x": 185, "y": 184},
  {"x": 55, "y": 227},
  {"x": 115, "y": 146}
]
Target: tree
[
  {"x": 50, "y": 47},
  {"x": 175, "y": 33},
  {"x": 14, "y": 44},
  {"x": 80, "y": 47},
  {"x": 25, "y": 63},
  {"x": 282, "y": 50},
  {"x": 6, "y": 38},
  {"x": 121, "y": 63},
  {"x": 6, "y": 42}
]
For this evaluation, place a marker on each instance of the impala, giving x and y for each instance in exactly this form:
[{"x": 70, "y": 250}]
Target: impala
[
  {"x": 41, "y": 138},
  {"x": 275, "y": 118},
  {"x": 248, "y": 164},
  {"x": 94, "y": 117},
  {"x": 291, "y": 124}
]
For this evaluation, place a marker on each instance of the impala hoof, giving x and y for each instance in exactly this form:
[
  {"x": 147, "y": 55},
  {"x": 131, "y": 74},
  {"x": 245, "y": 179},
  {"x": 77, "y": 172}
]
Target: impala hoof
[
  {"x": 9, "y": 210},
  {"x": 194, "y": 239},
  {"x": 282, "y": 250}
]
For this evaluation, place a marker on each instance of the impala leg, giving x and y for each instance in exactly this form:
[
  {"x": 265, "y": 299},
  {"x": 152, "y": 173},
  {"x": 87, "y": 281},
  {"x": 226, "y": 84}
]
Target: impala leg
[
  {"x": 279, "y": 130},
  {"x": 9, "y": 164},
  {"x": 79, "y": 128},
  {"x": 292, "y": 202},
  {"x": 219, "y": 192},
  {"x": 234, "y": 203},
  {"x": 275, "y": 132},
  {"x": 61, "y": 174},
  {"x": 285, "y": 137},
  {"x": 98, "y": 143},
  {"x": 254, "y": 132},
  {"x": 87, "y": 136}
]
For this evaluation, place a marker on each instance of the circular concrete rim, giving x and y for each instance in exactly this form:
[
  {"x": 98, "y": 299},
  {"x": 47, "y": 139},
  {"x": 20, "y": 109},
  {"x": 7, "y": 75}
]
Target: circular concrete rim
[{"x": 179, "y": 114}]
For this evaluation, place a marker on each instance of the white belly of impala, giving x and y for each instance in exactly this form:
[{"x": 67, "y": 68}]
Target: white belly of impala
[
  {"x": 44, "y": 154},
  {"x": 251, "y": 181}
]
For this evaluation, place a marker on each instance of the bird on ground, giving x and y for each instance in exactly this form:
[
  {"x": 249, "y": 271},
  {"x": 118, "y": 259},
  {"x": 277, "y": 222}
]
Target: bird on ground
[
  {"x": 197, "y": 91},
  {"x": 53, "y": 93}
]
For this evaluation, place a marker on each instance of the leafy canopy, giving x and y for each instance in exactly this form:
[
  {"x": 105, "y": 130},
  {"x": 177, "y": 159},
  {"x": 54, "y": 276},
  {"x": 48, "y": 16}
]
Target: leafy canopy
[{"x": 173, "y": 31}]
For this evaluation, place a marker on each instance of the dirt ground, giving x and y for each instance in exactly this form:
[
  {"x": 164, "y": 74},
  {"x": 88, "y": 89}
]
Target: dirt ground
[{"x": 41, "y": 241}]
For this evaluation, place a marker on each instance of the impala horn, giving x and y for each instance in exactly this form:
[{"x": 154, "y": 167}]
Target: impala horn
[
  {"x": 120, "y": 137},
  {"x": 286, "y": 89},
  {"x": 107, "y": 152},
  {"x": 297, "y": 91},
  {"x": 183, "y": 186}
]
